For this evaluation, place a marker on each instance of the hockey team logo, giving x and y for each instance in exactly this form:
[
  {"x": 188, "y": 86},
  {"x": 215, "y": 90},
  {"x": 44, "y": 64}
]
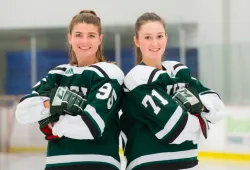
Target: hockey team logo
[
  {"x": 172, "y": 74},
  {"x": 171, "y": 89},
  {"x": 69, "y": 71}
]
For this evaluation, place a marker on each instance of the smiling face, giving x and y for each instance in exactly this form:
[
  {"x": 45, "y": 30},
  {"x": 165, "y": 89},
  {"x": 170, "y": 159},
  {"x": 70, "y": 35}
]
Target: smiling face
[
  {"x": 151, "y": 39},
  {"x": 85, "y": 40}
]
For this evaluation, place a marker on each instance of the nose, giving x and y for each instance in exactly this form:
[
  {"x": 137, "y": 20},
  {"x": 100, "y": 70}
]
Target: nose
[
  {"x": 154, "y": 42},
  {"x": 84, "y": 39}
]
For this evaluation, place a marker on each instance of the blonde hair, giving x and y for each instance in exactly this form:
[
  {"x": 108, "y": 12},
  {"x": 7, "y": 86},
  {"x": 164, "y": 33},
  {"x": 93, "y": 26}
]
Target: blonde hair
[
  {"x": 89, "y": 17},
  {"x": 143, "y": 19}
]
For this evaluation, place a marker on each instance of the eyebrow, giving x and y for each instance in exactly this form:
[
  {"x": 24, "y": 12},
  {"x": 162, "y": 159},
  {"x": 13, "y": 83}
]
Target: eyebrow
[
  {"x": 157, "y": 33},
  {"x": 88, "y": 32}
]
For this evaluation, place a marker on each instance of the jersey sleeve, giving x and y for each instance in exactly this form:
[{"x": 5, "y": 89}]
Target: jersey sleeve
[
  {"x": 151, "y": 105},
  {"x": 44, "y": 86},
  {"x": 209, "y": 98},
  {"x": 31, "y": 108},
  {"x": 53, "y": 79},
  {"x": 185, "y": 76},
  {"x": 103, "y": 99}
]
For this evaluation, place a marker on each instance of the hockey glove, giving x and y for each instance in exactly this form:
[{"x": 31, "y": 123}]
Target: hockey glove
[
  {"x": 63, "y": 101},
  {"x": 190, "y": 102},
  {"x": 188, "y": 99},
  {"x": 44, "y": 127}
]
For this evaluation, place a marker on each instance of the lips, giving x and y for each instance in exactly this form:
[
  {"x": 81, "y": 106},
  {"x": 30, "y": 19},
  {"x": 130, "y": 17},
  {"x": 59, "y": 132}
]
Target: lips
[
  {"x": 154, "y": 50},
  {"x": 84, "y": 48}
]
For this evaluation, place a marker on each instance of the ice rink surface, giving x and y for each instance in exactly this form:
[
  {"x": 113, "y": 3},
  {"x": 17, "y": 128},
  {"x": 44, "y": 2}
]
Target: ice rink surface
[{"x": 35, "y": 161}]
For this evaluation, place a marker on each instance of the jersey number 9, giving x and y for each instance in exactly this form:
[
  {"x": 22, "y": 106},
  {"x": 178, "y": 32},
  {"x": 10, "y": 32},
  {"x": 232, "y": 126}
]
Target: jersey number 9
[{"x": 104, "y": 93}]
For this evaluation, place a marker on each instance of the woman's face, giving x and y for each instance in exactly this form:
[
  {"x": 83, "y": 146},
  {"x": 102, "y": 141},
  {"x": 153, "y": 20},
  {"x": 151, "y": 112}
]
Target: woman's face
[
  {"x": 151, "y": 40},
  {"x": 85, "y": 40}
]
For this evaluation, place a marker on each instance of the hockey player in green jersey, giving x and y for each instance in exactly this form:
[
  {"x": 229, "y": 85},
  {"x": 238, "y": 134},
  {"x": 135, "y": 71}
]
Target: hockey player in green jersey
[
  {"x": 77, "y": 104},
  {"x": 165, "y": 110}
]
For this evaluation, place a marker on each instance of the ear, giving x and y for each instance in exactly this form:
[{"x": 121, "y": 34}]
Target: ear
[
  {"x": 136, "y": 42},
  {"x": 100, "y": 39},
  {"x": 166, "y": 39},
  {"x": 69, "y": 38}
]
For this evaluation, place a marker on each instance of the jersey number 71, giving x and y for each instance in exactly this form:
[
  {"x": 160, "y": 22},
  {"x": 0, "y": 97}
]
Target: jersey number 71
[{"x": 148, "y": 99}]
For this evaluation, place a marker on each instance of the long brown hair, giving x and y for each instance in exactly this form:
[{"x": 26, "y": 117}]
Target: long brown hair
[
  {"x": 143, "y": 19},
  {"x": 88, "y": 17}
]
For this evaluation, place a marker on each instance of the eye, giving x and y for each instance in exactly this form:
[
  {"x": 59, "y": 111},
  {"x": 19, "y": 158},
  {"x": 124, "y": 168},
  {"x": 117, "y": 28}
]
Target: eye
[
  {"x": 147, "y": 37},
  {"x": 92, "y": 36},
  {"x": 78, "y": 35},
  {"x": 160, "y": 36}
]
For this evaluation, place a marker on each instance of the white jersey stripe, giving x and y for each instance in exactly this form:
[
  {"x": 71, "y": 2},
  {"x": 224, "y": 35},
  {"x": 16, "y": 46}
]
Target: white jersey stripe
[
  {"x": 56, "y": 72},
  {"x": 124, "y": 138},
  {"x": 179, "y": 68},
  {"x": 157, "y": 74},
  {"x": 165, "y": 156},
  {"x": 82, "y": 158},
  {"x": 92, "y": 112},
  {"x": 170, "y": 124}
]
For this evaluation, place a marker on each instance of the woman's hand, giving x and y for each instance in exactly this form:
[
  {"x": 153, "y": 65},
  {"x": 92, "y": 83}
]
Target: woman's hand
[{"x": 46, "y": 104}]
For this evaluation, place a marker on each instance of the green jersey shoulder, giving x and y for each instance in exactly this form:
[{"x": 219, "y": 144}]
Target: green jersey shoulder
[
  {"x": 173, "y": 67},
  {"x": 141, "y": 75},
  {"x": 108, "y": 69}
]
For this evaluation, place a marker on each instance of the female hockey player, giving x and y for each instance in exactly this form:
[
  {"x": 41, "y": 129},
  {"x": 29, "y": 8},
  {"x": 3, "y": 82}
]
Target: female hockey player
[
  {"x": 81, "y": 100},
  {"x": 164, "y": 108}
]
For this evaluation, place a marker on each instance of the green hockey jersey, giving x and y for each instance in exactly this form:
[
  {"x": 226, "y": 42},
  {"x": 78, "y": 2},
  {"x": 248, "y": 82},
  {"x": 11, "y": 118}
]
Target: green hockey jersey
[
  {"x": 153, "y": 124},
  {"x": 101, "y": 85}
]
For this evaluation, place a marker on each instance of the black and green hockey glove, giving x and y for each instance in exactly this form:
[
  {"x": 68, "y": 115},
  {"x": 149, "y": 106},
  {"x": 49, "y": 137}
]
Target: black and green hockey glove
[
  {"x": 188, "y": 99},
  {"x": 63, "y": 101}
]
